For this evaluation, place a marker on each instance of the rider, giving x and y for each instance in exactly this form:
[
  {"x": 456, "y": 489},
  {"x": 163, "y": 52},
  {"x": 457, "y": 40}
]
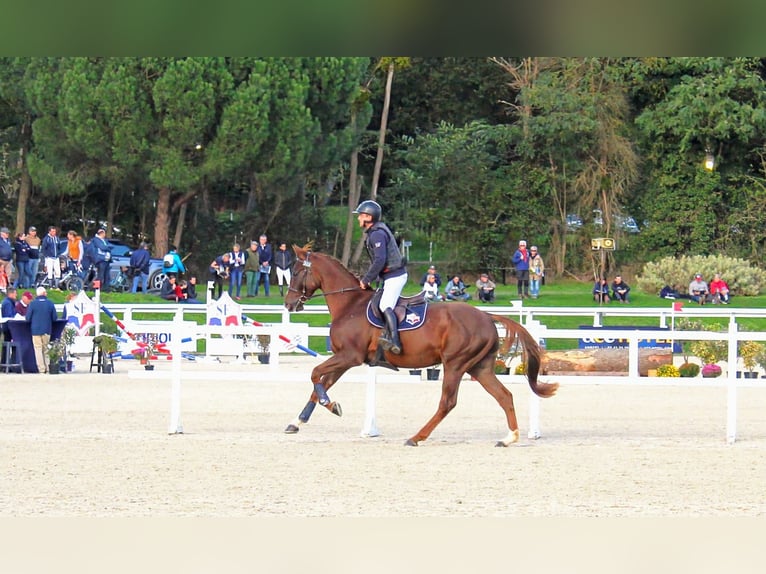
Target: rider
[{"x": 388, "y": 264}]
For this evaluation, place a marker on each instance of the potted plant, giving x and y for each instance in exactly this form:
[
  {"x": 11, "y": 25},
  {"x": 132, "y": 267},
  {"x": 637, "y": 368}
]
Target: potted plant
[
  {"x": 709, "y": 352},
  {"x": 107, "y": 345},
  {"x": 501, "y": 367},
  {"x": 749, "y": 351},
  {"x": 521, "y": 369},
  {"x": 689, "y": 369},
  {"x": 760, "y": 358},
  {"x": 264, "y": 343},
  {"x": 56, "y": 351},
  {"x": 432, "y": 373},
  {"x": 711, "y": 370},
  {"x": 668, "y": 371}
]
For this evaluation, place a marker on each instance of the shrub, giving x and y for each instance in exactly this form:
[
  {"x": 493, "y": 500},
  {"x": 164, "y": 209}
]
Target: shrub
[
  {"x": 749, "y": 351},
  {"x": 668, "y": 371},
  {"x": 711, "y": 370},
  {"x": 521, "y": 369},
  {"x": 689, "y": 370},
  {"x": 741, "y": 276}
]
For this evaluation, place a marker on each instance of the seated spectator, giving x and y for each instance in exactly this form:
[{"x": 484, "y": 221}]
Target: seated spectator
[
  {"x": 719, "y": 290},
  {"x": 668, "y": 292},
  {"x": 601, "y": 291},
  {"x": 185, "y": 295},
  {"x": 431, "y": 271},
  {"x": 168, "y": 289},
  {"x": 620, "y": 290},
  {"x": 698, "y": 290},
  {"x": 455, "y": 290},
  {"x": 431, "y": 290},
  {"x": 486, "y": 288}
]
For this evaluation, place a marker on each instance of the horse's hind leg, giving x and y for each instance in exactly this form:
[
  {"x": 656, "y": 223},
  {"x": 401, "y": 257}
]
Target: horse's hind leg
[{"x": 504, "y": 398}]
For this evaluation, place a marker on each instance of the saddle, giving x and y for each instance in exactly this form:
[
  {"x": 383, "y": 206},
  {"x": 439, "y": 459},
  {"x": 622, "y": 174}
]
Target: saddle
[{"x": 410, "y": 311}]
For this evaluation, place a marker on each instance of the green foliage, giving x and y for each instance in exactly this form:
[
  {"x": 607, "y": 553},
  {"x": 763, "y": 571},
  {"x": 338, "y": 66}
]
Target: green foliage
[
  {"x": 689, "y": 370},
  {"x": 678, "y": 272},
  {"x": 711, "y": 351},
  {"x": 749, "y": 351}
]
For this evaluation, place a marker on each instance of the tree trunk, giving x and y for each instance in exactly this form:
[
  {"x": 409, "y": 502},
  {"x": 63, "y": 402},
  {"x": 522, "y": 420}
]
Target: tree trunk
[
  {"x": 180, "y": 223},
  {"x": 25, "y": 191},
  {"x": 603, "y": 361},
  {"x": 162, "y": 222},
  {"x": 354, "y": 190}
]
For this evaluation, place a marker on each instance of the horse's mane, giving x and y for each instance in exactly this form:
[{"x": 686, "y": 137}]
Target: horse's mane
[{"x": 307, "y": 248}]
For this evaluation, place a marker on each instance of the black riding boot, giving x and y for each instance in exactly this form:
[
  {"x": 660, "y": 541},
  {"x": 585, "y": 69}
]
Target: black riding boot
[
  {"x": 281, "y": 291},
  {"x": 389, "y": 340}
]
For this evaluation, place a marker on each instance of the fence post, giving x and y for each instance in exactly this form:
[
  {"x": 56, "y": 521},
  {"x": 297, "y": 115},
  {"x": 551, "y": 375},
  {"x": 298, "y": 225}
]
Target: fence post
[
  {"x": 370, "y": 429},
  {"x": 536, "y": 329},
  {"x": 731, "y": 383},
  {"x": 175, "y": 427}
]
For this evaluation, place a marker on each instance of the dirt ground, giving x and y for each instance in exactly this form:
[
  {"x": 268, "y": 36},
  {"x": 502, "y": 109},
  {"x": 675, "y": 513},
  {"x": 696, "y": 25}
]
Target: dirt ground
[{"x": 89, "y": 445}]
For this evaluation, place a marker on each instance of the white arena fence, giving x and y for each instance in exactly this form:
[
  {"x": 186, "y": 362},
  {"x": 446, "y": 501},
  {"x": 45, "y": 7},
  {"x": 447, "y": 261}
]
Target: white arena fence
[{"x": 180, "y": 331}]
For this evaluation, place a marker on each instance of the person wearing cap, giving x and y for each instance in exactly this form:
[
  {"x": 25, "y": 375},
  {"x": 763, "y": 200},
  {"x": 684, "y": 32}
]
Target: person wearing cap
[
  {"x": 520, "y": 262},
  {"x": 23, "y": 304},
  {"x": 620, "y": 290},
  {"x": 24, "y": 278},
  {"x": 6, "y": 255},
  {"x": 40, "y": 316},
  {"x": 698, "y": 290},
  {"x": 51, "y": 250},
  {"x": 102, "y": 256},
  {"x": 486, "y": 288},
  {"x": 431, "y": 271},
  {"x": 34, "y": 252},
  {"x": 283, "y": 260},
  {"x": 251, "y": 267},
  {"x": 536, "y": 271}
]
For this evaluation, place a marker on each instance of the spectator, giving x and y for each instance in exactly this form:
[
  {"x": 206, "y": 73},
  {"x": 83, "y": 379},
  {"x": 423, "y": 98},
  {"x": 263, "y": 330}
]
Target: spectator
[
  {"x": 40, "y": 316},
  {"x": 283, "y": 260},
  {"x": 486, "y": 288},
  {"x": 536, "y": 271},
  {"x": 719, "y": 290},
  {"x": 431, "y": 271},
  {"x": 601, "y": 291},
  {"x": 218, "y": 270},
  {"x": 74, "y": 250},
  {"x": 620, "y": 290},
  {"x": 139, "y": 265},
  {"x": 172, "y": 262},
  {"x": 264, "y": 264},
  {"x": 455, "y": 290},
  {"x": 34, "y": 253},
  {"x": 22, "y": 305},
  {"x": 6, "y": 254},
  {"x": 102, "y": 252},
  {"x": 668, "y": 292},
  {"x": 50, "y": 249},
  {"x": 520, "y": 262},
  {"x": 8, "y": 310},
  {"x": 191, "y": 288},
  {"x": 251, "y": 267},
  {"x": 168, "y": 290},
  {"x": 184, "y": 294},
  {"x": 24, "y": 276},
  {"x": 236, "y": 267},
  {"x": 431, "y": 289},
  {"x": 698, "y": 290}
]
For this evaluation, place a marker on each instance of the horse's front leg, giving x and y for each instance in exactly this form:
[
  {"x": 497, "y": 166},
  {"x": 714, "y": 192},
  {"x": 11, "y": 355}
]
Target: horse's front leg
[{"x": 323, "y": 377}]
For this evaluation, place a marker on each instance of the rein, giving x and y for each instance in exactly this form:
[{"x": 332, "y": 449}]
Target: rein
[{"x": 304, "y": 297}]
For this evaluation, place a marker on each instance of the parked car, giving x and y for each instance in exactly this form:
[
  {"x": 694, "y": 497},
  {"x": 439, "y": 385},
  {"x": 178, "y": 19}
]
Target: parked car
[
  {"x": 574, "y": 222},
  {"x": 121, "y": 253}
]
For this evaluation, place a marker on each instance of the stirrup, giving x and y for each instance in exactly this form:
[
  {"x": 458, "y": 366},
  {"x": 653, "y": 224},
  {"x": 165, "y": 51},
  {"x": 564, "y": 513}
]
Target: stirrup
[{"x": 380, "y": 361}]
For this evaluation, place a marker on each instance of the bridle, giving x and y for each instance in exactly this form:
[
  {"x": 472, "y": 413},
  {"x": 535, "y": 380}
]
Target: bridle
[{"x": 307, "y": 271}]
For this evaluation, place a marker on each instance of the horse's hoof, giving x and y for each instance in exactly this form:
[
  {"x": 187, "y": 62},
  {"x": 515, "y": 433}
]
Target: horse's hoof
[
  {"x": 410, "y": 442},
  {"x": 500, "y": 443},
  {"x": 291, "y": 429},
  {"x": 336, "y": 410}
]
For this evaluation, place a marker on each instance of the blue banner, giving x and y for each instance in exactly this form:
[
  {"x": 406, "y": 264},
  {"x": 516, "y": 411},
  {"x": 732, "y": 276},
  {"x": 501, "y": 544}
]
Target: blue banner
[{"x": 595, "y": 342}]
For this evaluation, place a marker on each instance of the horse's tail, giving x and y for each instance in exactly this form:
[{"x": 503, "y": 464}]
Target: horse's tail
[{"x": 533, "y": 355}]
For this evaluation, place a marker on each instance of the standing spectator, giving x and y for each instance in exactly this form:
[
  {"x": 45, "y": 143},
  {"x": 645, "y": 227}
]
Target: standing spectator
[
  {"x": 34, "y": 252},
  {"x": 251, "y": 268},
  {"x": 283, "y": 260},
  {"x": 6, "y": 255},
  {"x": 172, "y": 262},
  {"x": 22, "y": 305},
  {"x": 51, "y": 250},
  {"x": 40, "y": 316},
  {"x": 521, "y": 264},
  {"x": 431, "y": 290},
  {"x": 486, "y": 288},
  {"x": 601, "y": 291},
  {"x": 236, "y": 267},
  {"x": 455, "y": 290},
  {"x": 218, "y": 271},
  {"x": 74, "y": 250},
  {"x": 431, "y": 271},
  {"x": 102, "y": 252},
  {"x": 536, "y": 271},
  {"x": 264, "y": 264},
  {"x": 22, "y": 249},
  {"x": 698, "y": 290},
  {"x": 719, "y": 290},
  {"x": 8, "y": 310},
  {"x": 620, "y": 290},
  {"x": 139, "y": 264}
]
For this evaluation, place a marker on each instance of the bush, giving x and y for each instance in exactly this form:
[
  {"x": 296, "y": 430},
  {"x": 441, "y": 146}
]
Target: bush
[
  {"x": 711, "y": 370},
  {"x": 742, "y": 278},
  {"x": 689, "y": 370},
  {"x": 668, "y": 371}
]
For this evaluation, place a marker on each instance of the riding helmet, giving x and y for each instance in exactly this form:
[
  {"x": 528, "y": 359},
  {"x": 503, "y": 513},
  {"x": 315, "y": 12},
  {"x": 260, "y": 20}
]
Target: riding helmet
[{"x": 371, "y": 208}]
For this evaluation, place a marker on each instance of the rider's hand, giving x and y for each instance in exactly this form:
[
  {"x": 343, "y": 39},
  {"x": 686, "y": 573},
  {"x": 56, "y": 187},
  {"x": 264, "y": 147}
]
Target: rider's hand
[{"x": 362, "y": 284}]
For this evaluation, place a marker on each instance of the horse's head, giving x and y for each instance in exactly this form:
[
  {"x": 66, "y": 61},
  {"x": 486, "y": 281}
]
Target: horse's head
[{"x": 303, "y": 283}]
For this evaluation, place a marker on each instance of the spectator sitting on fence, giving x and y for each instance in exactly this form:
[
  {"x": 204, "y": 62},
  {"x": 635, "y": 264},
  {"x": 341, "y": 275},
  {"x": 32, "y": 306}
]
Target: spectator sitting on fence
[
  {"x": 698, "y": 290},
  {"x": 601, "y": 291},
  {"x": 431, "y": 289},
  {"x": 719, "y": 290},
  {"x": 455, "y": 290},
  {"x": 620, "y": 290},
  {"x": 486, "y": 288}
]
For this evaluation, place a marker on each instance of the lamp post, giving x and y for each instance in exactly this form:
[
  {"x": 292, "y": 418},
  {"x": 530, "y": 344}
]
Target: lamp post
[{"x": 709, "y": 160}]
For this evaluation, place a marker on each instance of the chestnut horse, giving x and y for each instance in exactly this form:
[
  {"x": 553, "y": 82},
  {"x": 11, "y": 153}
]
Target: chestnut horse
[{"x": 461, "y": 337}]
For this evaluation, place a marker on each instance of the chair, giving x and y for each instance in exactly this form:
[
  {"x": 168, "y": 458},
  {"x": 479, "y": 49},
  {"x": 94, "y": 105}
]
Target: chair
[{"x": 11, "y": 357}]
